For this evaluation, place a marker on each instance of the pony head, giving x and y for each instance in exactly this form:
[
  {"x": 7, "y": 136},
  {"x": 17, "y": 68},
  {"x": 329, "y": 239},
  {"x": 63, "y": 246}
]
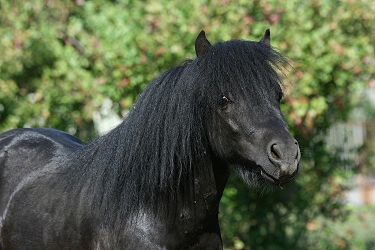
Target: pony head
[{"x": 245, "y": 126}]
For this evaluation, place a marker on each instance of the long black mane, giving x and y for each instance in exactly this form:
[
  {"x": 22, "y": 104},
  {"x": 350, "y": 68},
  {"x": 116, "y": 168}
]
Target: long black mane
[{"x": 155, "y": 152}]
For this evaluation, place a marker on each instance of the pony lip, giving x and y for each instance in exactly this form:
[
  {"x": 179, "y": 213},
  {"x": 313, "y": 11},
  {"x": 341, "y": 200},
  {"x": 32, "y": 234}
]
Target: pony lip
[
  {"x": 272, "y": 180},
  {"x": 267, "y": 177}
]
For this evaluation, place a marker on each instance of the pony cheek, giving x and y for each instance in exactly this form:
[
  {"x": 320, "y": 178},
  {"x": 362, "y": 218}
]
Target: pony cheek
[
  {"x": 227, "y": 136},
  {"x": 222, "y": 142},
  {"x": 247, "y": 153},
  {"x": 233, "y": 127},
  {"x": 223, "y": 149}
]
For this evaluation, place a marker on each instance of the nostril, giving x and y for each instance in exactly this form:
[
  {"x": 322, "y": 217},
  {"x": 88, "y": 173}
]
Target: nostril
[{"x": 276, "y": 152}]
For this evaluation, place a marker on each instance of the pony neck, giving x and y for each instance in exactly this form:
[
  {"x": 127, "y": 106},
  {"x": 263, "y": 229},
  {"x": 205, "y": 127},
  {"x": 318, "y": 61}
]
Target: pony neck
[{"x": 210, "y": 178}]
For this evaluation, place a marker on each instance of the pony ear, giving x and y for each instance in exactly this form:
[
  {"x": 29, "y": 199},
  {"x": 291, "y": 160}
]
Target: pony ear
[
  {"x": 202, "y": 45},
  {"x": 266, "y": 39}
]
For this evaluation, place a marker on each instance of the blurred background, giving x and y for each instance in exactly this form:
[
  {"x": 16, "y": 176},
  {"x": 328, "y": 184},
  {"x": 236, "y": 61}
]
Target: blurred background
[{"x": 79, "y": 65}]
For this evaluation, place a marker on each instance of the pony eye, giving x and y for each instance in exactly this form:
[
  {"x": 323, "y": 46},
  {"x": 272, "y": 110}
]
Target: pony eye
[{"x": 224, "y": 100}]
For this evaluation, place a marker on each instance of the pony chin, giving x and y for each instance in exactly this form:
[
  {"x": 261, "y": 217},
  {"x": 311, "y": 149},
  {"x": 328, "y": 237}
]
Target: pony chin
[{"x": 251, "y": 176}]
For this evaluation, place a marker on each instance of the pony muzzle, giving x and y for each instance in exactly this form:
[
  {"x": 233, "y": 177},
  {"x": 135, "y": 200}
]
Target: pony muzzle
[{"x": 285, "y": 157}]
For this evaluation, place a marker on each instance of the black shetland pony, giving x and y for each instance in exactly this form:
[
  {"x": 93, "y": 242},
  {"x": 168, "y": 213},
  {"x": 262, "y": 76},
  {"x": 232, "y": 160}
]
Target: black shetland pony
[{"x": 156, "y": 180}]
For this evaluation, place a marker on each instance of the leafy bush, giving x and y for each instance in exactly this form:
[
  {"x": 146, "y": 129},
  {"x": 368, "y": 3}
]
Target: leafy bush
[{"x": 357, "y": 232}]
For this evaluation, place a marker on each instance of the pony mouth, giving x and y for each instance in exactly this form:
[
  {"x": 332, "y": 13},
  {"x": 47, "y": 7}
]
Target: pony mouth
[
  {"x": 273, "y": 180},
  {"x": 267, "y": 176},
  {"x": 254, "y": 175}
]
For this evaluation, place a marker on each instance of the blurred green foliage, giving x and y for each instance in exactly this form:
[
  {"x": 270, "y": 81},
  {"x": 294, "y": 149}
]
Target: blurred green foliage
[
  {"x": 357, "y": 232},
  {"x": 60, "y": 60}
]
